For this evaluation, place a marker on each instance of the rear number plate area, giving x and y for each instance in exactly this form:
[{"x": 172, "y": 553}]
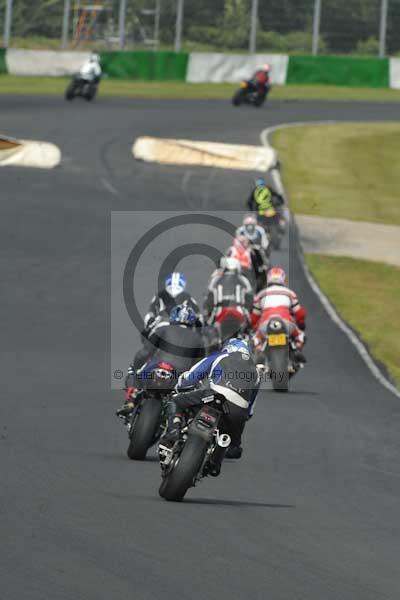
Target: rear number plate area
[{"x": 277, "y": 339}]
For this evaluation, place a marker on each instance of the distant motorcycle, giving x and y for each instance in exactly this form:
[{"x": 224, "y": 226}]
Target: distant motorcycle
[
  {"x": 198, "y": 452},
  {"x": 84, "y": 87},
  {"x": 279, "y": 352},
  {"x": 249, "y": 93}
]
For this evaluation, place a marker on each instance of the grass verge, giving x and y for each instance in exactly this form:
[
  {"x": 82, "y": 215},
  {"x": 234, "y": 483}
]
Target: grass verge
[
  {"x": 365, "y": 294},
  {"x": 54, "y": 86},
  {"x": 347, "y": 171}
]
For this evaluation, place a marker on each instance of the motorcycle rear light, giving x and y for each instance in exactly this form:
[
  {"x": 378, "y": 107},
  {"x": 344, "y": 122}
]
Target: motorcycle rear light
[{"x": 166, "y": 366}]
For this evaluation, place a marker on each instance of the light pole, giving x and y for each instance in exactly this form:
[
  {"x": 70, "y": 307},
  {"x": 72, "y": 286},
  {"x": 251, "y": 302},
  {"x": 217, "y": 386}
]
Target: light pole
[
  {"x": 7, "y": 23},
  {"x": 65, "y": 23},
  {"x": 316, "y": 26},
  {"x": 121, "y": 23},
  {"x": 253, "y": 26},
  {"x": 178, "y": 26},
  {"x": 157, "y": 22},
  {"x": 382, "y": 29}
]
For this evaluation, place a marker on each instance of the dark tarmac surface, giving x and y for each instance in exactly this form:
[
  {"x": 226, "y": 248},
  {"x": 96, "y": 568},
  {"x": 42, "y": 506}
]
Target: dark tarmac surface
[{"x": 312, "y": 510}]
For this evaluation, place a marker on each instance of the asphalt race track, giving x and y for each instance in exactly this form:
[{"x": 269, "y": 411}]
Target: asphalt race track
[{"x": 311, "y": 511}]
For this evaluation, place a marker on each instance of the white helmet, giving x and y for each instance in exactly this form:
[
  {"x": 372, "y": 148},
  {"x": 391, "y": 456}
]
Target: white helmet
[
  {"x": 94, "y": 57},
  {"x": 250, "y": 227},
  {"x": 266, "y": 67}
]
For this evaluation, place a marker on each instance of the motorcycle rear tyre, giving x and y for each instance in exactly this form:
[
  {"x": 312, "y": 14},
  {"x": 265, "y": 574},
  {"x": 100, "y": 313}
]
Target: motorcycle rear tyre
[
  {"x": 278, "y": 369},
  {"x": 175, "y": 485},
  {"x": 275, "y": 236},
  {"x": 70, "y": 91},
  {"x": 145, "y": 429},
  {"x": 238, "y": 97}
]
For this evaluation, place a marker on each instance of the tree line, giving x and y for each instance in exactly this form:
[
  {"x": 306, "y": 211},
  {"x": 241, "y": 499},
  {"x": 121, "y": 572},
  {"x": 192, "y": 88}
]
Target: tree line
[{"x": 283, "y": 25}]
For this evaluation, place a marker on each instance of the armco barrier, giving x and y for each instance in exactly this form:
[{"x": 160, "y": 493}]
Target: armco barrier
[
  {"x": 44, "y": 62},
  {"x": 210, "y": 67},
  {"x": 157, "y": 66},
  {"x": 339, "y": 70},
  {"x": 3, "y": 68},
  {"x": 394, "y": 73},
  {"x": 217, "y": 67}
]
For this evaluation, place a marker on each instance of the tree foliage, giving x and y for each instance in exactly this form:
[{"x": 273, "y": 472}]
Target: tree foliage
[{"x": 284, "y": 25}]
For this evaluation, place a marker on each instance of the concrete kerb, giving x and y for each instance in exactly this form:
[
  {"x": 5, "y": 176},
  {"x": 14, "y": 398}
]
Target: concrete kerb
[{"x": 28, "y": 153}]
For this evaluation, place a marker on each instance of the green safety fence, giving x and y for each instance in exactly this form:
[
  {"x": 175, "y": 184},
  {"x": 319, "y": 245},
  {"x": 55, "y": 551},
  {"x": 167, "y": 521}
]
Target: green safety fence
[
  {"x": 3, "y": 66},
  {"x": 157, "y": 66},
  {"x": 338, "y": 70}
]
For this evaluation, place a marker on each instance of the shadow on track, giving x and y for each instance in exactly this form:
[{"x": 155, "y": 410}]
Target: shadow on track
[{"x": 218, "y": 502}]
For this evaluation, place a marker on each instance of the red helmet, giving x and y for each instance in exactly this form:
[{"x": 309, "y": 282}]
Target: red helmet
[{"x": 276, "y": 276}]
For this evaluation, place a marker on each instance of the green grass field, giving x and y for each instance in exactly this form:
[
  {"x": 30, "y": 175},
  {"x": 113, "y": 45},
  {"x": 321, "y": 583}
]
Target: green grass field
[
  {"x": 54, "y": 86},
  {"x": 348, "y": 171},
  {"x": 366, "y": 295},
  {"x": 351, "y": 171}
]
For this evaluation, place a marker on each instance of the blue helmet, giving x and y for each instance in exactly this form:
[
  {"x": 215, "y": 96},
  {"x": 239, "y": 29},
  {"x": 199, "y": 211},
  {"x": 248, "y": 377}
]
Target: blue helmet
[
  {"x": 236, "y": 345},
  {"x": 184, "y": 315},
  {"x": 260, "y": 182},
  {"x": 175, "y": 284}
]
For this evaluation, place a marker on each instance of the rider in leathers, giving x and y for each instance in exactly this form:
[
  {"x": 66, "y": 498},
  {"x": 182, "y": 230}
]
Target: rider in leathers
[
  {"x": 261, "y": 80},
  {"x": 91, "y": 69},
  {"x": 175, "y": 340},
  {"x": 259, "y": 244},
  {"x": 230, "y": 373},
  {"x": 228, "y": 289},
  {"x": 173, "y": 294},
  {"x": 263, "y": 198},
  {"x": 279, "y": 300}
]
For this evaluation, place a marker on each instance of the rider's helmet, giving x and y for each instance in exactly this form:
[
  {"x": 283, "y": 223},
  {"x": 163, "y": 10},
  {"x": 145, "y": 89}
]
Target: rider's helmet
[
  {"x": 236, "y": 345},
  {"x": 276, "y": 276},
  {"x": 95, "y": 58},
  {"x": 250, "y": 224},
  {"x": 265, "y": 67},
  {"x": 231, "y": 265},
  {"x": 260, "y": 182},
  {"x": 241, "y": 243},
  {"x": 175, "y": 284},
  {"x": 182, "y": 314}
]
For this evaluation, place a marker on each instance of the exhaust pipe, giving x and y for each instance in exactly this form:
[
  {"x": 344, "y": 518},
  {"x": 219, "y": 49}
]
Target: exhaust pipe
[
  {"x": 224, "y": 440},
  {"x": 217, "y": 456}
]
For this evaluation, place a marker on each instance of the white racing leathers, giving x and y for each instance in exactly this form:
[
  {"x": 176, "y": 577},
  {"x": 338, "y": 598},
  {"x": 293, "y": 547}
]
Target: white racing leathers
[{"x": 90, "y": 71}]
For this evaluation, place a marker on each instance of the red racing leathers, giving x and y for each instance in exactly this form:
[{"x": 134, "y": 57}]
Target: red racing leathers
[
  {"x": 278, "y": 300},
  {"x": 261, "y": 79}
]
